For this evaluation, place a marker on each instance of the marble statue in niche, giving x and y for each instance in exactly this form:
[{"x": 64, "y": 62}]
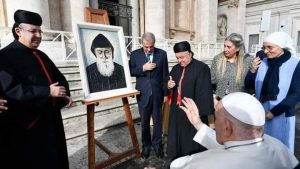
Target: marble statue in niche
[{"x": 222, "y": 26}]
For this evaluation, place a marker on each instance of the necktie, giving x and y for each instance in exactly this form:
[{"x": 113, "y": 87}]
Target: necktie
[
  {"x": 148, "y": 56},
  {"x": 179, "y": 87}
]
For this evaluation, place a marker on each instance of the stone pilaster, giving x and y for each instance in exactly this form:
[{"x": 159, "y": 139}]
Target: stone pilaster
[
  {"x": 3, "y": 17},
  {"x": 72, "y": 12},
  {"x": 236, "y": 16},
  {"x": 135, "y": 18},
  {"x": 182, "y": 19},
  {"x": 155, "y": 17},
  {"x": 206, "y": 21},
  {"x": 38, "y": 6}
]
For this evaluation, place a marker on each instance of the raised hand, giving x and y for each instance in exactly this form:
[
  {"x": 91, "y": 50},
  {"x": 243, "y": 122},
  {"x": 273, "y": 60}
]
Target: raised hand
[
  {"x": 171, "y": 83},
  {"x": 192, "y": 112},
  {"x": 255, "y": 65}
]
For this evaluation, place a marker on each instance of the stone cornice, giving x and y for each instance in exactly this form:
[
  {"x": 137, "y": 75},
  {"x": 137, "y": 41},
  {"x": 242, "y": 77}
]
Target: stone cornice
[
  {"x": 251, "y": 3},
  {"x": 275, "y": 10}
]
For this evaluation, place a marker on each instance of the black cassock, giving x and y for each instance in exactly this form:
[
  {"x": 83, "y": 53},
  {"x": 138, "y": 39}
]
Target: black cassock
[
  {"x": 98, "y": 83},
  {"x": 32, "y": 133},
  {"x": 196, "y": 84}
]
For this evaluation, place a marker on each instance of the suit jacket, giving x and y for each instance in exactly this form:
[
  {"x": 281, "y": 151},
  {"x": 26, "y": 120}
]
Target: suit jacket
[{"x": 150, "y": 82}]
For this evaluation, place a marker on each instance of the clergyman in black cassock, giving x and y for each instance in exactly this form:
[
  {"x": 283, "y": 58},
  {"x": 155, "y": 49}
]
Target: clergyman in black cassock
[
  {"x": 192, "y": 80},
  {"x": 33, "y": 134}
]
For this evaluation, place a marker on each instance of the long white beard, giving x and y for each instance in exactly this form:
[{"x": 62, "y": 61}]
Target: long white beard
[{"x": 106, "y": 68}]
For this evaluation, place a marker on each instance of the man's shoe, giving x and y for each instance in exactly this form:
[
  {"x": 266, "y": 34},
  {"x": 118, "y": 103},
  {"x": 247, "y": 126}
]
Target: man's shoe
[
  {"x": 159, "y": 152},
  {"x": 146, "y": 152}
]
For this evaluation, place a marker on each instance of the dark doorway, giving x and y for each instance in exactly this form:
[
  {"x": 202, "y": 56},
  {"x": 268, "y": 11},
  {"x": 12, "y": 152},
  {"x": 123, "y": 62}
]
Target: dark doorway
[{"x": 119, "y": 13}]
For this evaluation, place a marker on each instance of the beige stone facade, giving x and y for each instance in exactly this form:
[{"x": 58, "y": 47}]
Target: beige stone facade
[{"x": 195, "y": 20}]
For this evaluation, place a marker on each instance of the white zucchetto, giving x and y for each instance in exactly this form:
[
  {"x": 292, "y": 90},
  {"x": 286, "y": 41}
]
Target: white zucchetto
[{"x": 245, "y": 108}]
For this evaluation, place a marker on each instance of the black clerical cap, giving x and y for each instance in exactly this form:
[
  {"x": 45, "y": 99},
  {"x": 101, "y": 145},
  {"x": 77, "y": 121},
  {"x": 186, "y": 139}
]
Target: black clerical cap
[
  {"x": 101, "y": 41},
  {"x": 182, "y": 47},
  {"x": 22, "y": 16}
]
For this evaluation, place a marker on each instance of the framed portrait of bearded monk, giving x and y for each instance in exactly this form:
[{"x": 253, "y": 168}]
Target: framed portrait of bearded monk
[{"x": 102, "y": 60}]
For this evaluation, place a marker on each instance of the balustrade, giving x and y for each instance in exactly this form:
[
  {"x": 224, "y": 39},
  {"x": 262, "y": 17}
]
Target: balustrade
[{"x": 60, "y": 45}]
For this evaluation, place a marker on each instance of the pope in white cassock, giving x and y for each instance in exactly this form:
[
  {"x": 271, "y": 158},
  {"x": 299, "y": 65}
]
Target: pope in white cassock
[{"x": 239, "y": 140}]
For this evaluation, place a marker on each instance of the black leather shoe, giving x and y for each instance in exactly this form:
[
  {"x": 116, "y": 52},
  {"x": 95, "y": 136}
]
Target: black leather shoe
[
  {"x": 159, "y": 152},
  {"x": 146, "y": 152}
]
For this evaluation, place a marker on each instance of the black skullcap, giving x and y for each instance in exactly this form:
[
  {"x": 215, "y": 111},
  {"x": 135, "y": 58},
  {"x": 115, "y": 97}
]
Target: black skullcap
[
  {"x": 101, "y": 41},
  {"x": 22, "y": 16},
  {"x": 182, "y": 47}
]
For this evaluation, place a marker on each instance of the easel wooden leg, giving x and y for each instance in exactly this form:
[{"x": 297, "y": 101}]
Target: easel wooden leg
[
  {"x": 91, "y": 135},
  {"x": 131, "y": 126},
  {"x": 92, "y": 142}
]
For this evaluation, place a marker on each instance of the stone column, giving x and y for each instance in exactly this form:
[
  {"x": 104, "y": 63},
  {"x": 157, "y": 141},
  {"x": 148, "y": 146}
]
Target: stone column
[
  {"x": 55, "y": 14},
  {"x": 72, "y": 12},
  {"x": 206, "y": 21},
  {"x": 236, "y": 16},
  {"x": 3, "y": 16},
  {"x": 155, "y": 17},
  {"x": 38, "y": 6},
  {"x": 135, "y": 18}
]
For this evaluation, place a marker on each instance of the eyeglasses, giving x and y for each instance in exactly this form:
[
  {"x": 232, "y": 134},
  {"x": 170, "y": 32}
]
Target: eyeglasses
[
  {"x": 268, "y": 48},
  {"x": 33, "y": 31}
]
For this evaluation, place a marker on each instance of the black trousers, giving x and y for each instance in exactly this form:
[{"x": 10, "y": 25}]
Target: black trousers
[{"x": 154, "y": 110}]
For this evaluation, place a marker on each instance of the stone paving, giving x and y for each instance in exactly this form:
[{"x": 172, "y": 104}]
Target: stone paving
[{"x": 118, "y": 139}]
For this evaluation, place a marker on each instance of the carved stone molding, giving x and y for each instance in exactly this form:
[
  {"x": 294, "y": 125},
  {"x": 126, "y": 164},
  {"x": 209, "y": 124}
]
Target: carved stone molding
[
  {"x": 233, "y": 3},
  {"x": 176, "y": 31}
]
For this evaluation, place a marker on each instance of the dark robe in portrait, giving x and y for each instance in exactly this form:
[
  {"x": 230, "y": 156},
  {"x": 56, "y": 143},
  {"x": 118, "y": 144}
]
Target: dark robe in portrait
[
  {"x": 33, "y": 136},
  {"x": 196, "y": 85},
  {"x": 98, "y": 82}
]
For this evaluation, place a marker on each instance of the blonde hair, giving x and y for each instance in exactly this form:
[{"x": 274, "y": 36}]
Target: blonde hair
[{"x": 238, "y": 42}]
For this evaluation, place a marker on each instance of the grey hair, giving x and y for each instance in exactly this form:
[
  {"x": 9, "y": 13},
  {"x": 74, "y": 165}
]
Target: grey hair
[
  {"x": 148, "y": 36},
  {"x": 242, "y": 128},
  {"x": 237, "y": 40}
]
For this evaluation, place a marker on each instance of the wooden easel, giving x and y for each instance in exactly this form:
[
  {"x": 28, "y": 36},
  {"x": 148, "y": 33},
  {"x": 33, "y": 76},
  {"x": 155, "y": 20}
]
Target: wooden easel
[
  {"x": 101, "y": 17},
  {"x": 113, "y": 157}
]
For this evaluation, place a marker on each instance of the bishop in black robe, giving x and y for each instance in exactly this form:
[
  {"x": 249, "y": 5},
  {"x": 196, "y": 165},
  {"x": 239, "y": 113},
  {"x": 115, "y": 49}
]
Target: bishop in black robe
[
  {"x": 32, "y": 133},
  {"x": 196, "y": 85}
]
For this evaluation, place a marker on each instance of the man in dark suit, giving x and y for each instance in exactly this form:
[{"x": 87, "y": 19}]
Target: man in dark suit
[{"x": 150, "y": 67}]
